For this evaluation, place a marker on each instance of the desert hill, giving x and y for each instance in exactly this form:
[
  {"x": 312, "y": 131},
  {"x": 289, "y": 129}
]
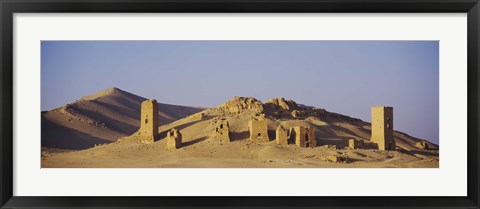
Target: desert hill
[
  {"x": 99, "y": 118},
  {"x": 201, "y": 149},
  {"x": 331, "y": 128}
]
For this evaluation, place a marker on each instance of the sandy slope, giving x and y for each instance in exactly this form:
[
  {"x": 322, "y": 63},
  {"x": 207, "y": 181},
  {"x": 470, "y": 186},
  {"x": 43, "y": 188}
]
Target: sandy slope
[
  {"x": 200, "y": 149},
  {"x": 100, "y": 118},
  {"x": 237, "y": 154}
]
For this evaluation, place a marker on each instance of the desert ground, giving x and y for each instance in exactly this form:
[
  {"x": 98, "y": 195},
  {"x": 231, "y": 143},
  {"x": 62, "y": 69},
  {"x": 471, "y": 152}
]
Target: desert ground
[{"x": 93, "y": 132}]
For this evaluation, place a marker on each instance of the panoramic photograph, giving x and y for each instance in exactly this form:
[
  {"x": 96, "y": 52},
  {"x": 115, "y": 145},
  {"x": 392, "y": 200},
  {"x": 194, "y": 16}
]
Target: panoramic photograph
[{"x": 240, "y": 104}]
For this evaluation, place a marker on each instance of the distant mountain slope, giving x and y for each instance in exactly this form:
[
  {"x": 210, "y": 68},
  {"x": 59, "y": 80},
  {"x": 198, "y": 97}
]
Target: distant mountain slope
[{"x": 99, "y": 118}]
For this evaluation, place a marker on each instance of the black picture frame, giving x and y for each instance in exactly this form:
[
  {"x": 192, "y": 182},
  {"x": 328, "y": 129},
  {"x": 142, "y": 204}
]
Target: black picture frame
[{"x": 9, "y": 7}]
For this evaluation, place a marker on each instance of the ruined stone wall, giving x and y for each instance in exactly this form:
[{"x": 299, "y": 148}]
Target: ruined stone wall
[
  {"x": 174, "y": 139},
  {"x": 149, "y": 120},
  {"x": 303, "y": 136},
  {"x": 311, "y": 140},
  {"x": 296, "y": 134},
  {"x": 258, "y": 129},
  {"x": 355, "y": 144},
  {"x": 281, "y": 136},
  {"x": 423, "y": 145},
  {"x": 382, "y": 127}
]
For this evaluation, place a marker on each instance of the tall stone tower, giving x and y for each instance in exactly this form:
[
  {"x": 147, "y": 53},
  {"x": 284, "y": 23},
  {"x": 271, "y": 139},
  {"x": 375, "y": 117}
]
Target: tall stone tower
[
  {"x": 149, "y": 120},
  {"x": 382, "y": 127}
]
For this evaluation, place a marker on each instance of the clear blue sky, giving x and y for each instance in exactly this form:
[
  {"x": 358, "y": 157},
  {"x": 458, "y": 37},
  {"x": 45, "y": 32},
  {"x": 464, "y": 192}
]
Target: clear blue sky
[{"x": 347, "y": 77}]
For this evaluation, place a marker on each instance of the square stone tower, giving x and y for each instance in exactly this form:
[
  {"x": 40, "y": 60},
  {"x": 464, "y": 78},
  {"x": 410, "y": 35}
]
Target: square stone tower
[
  {"x": 222, "y": 131},
  {"x": 382, "y": 127},
  {"x": 174, "y": 139},
  {"x": 149, "y": 120},
  {"x": 258, "y": 129}
]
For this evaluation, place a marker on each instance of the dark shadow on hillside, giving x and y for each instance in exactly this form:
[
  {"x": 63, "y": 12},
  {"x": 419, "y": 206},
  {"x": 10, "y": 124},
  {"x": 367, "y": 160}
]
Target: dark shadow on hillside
[
  {"x": 111, "y": 123},
  {"x": 186, "y": 144},
  {"x": 133, "y": 113},
  {"x": 185, "y": 125},
  {"x": 339, "y": 142},
  {"x": 426, "y": 153},
  {"x": 353, "y": 160},
  {"x": 130, "y": 106},
  {"x": 342, "y": 129},
  {"x": 176, "y": 112},
  {"x": 163, "y": 134},
  {"x": 57, "y": 136}
]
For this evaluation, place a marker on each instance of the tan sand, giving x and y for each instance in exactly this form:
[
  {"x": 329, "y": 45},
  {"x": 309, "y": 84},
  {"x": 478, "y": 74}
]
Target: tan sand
[
  {"x": 100, "y": 118},
  {"x": 201, "y": 150}
]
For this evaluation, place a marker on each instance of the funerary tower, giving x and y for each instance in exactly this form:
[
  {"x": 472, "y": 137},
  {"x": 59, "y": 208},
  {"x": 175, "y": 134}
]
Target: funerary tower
[
  {"x": 149, "y": 120},
  {"x": 382, "y": 127}
]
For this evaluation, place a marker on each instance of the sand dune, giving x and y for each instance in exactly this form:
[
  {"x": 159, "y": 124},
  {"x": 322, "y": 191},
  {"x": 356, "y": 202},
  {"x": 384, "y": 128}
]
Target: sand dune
[
  {"x": 100, "y": 118},
  {"x": 200, "y": 149}
]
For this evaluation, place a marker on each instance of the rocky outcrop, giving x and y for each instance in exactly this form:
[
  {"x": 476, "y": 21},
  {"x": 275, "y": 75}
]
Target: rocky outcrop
[
  {"x": 238, "y": 105},
  {"x": 276, "y": 108},
  {"x": 282, "y": 104}
]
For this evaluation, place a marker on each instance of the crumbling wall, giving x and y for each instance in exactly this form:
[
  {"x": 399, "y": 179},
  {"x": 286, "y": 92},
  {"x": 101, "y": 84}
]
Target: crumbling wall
[
  {"x": 303, "y": 136},
  {"x": 337, "y": 158},
  {"x": 423, "y": 145},
  {"x": 222, "y": 131},
  {"x": 149, "y": 121},
  {"x": 258, "y": 129},
  {"x": 382, "y": 127},
  {"x": 174, "y": 139},
  {"x": 311, "y": 141},
  {"x": 281, "y": 135},
  {"x": 355, "y": 144}
]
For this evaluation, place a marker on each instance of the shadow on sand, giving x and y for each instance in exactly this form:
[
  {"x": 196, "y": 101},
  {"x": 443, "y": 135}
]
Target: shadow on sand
[
  {"x": 236, "y": 136},
  {"x": 186, "y": 144}
]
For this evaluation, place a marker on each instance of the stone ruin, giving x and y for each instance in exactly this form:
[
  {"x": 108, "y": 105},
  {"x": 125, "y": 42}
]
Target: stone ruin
[
  {"x": 281, "y": 136},
  {"x": 337, "y": 158},
  {"x": 381, "y": 137},
  {"x": 149, "y": 120},
  {"x": 258, "y": 129},
  {"x": 382, "y": 127},
  {"x": 355, "y": 144},
  {"x": 174, "y": 139},
  {"x": 303, "y": 136},
  {"x": 297, "y": 114},
  {"x": 222, "y": 131},
  {"x": 148, "y": 131},
  {"x": 423, "y": 145}
]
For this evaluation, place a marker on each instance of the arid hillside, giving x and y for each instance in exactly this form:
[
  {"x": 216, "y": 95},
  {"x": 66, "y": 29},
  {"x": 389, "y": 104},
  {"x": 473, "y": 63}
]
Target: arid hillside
[
  {"x": 330, "y": 128},
  {"x": 102, "y": 117},
  {"x": 201, "y": 147}
]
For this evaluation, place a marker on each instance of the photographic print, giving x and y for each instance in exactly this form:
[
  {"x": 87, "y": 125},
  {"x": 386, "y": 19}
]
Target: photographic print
[{"x": 240, "y": 104}]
